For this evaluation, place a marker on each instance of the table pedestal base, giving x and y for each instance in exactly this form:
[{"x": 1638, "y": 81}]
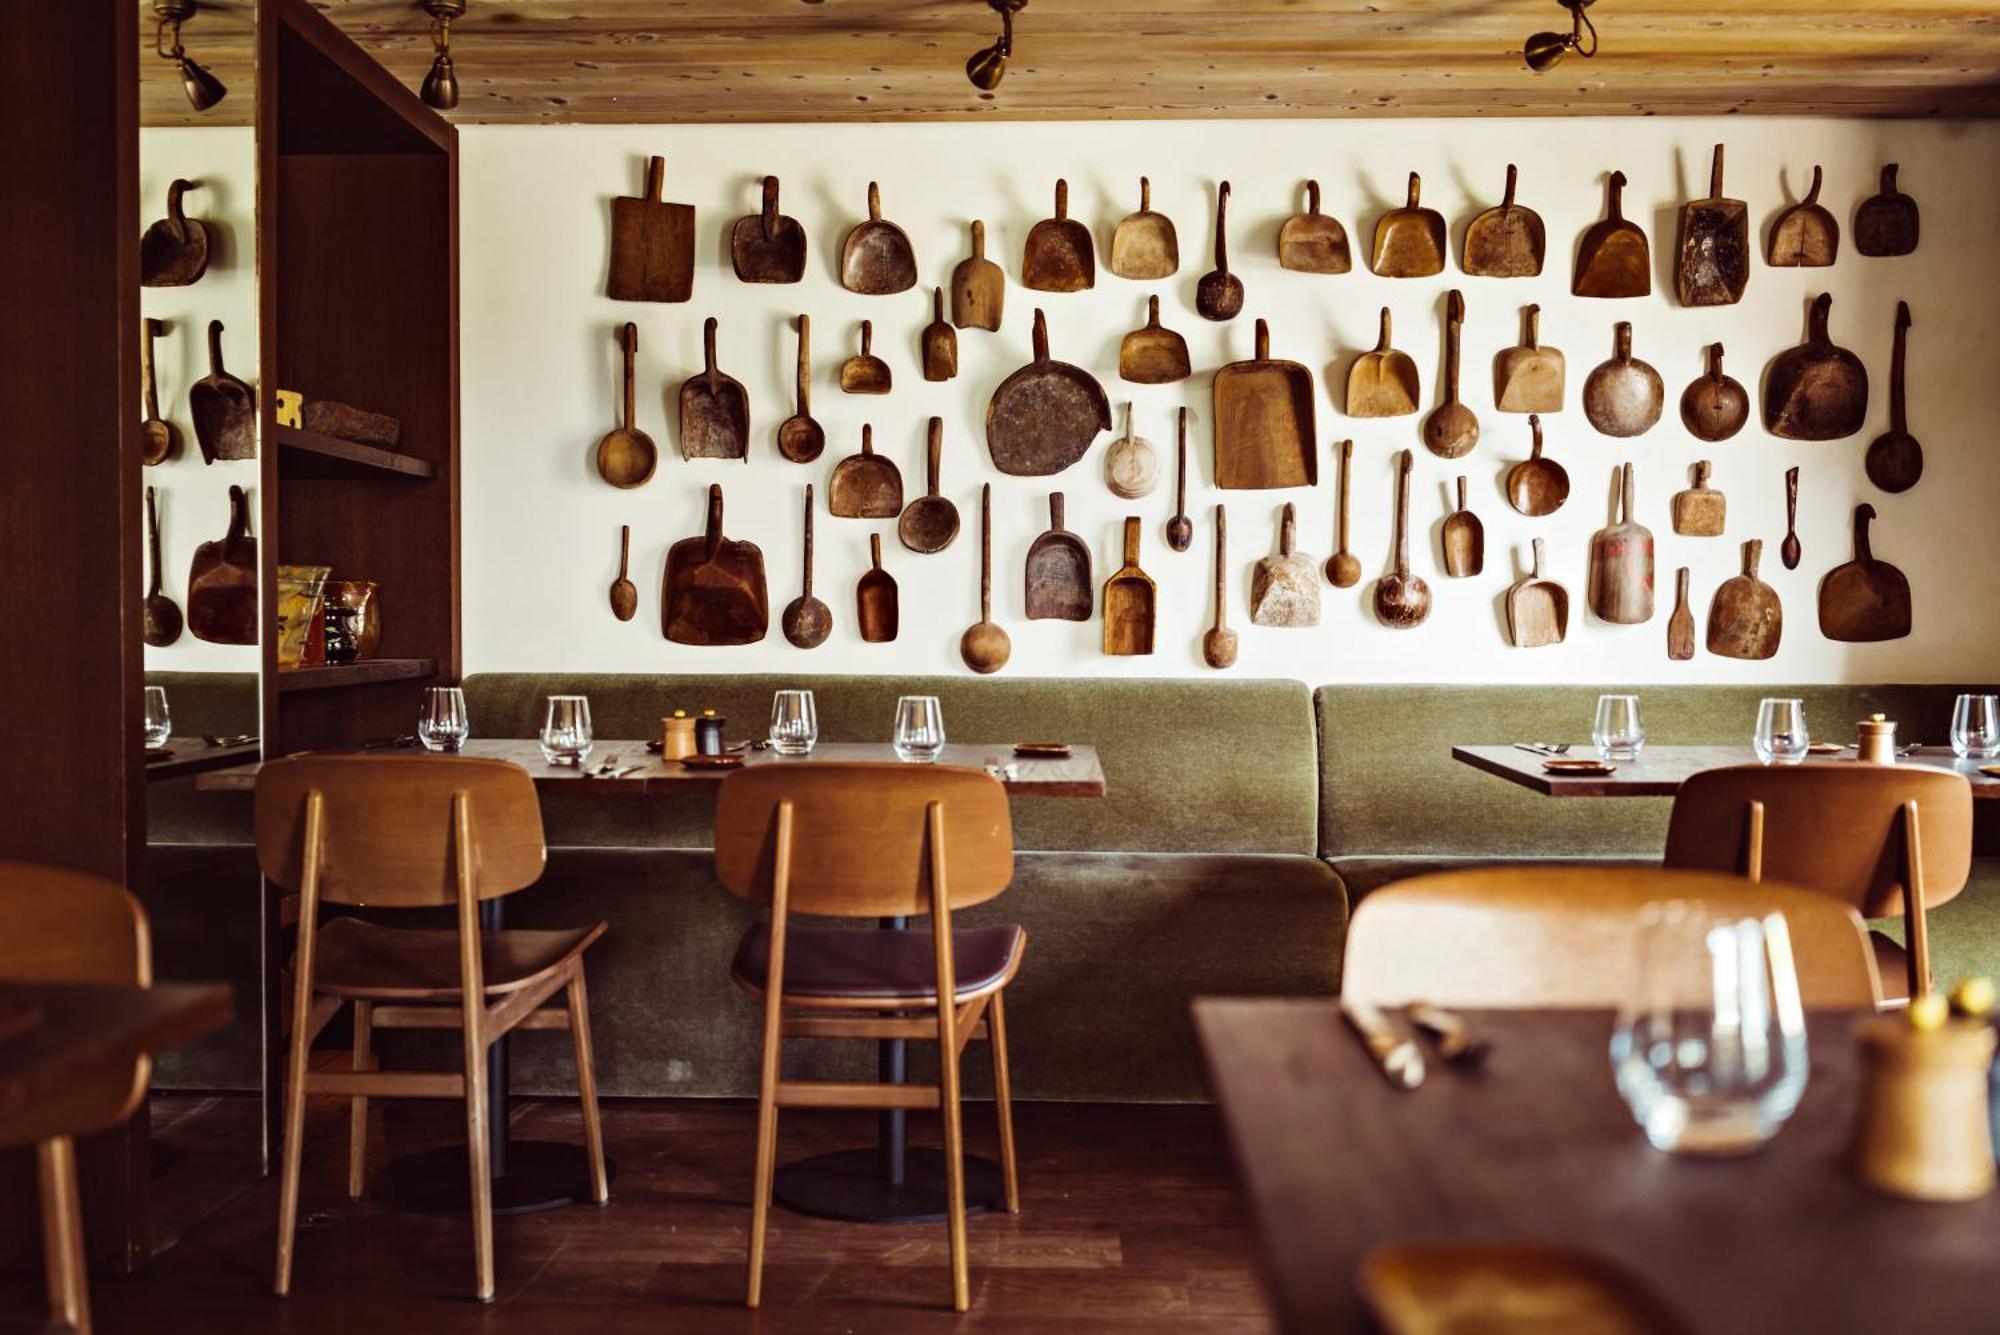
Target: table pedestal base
[
  {"x": 540, "y": 1175},
  {"x": 850, "y": 1185}
]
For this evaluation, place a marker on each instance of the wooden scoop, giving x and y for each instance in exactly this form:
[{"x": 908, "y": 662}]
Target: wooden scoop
[
  {"x": 876, "y": 606},
  {"x": 1044, "y": 416},
  {"x": 864, "y": 372},
  {"x": 1537, "y": 486},
  {"x": 1382, "y": 383},
  {"x": 624, "y": 593},
  {"x": 652, "y": 244},
  {"x": 1131, "y": 466},
  {"x": 222, "y": 581},
  {"x": 865, "y": 485},
  {"x": 1180, "y": 529},
  {"x": 768, "y": 247},
  {"x": 1284, "y": 589},
  {"x": 1746, "y": 619},
  {"x": 1505, "y": 242},
  {"x": 1621, "y": 565},
  {"x": 1886, "y": 224},
  {"x": 714, "y": 590},
  {"x": 1805, "y": 235},
  {"x": 1402, "y": 600},
  {"x": 984, "y": 646},
  {"x": 1788, "y": 551},
  {"x": 1153, "y": 354},
  {"x": 1219, "y": 294},
  {"x": 1218, "y": 643},
  {"x": 1714, "y": 406},
  {"x": 1409, "y": 242},
  {"x": 1680, "y": 625},
  {"x": 626, "y": 455},
  {"x": 174, "y": 250},
  {"x": 1622, "y": 396},
  {"x": 931, "y": 521},
  {"x": 715, "y": 410},
  {"x": 1464, "y": 539},
  {"x": 1129, "y": 598},
  {"x": 1313, "y": 242},
  {"x": 1264, "y": 432},
  {"x": 1866, "y": 599},
  {"x": 159, "y": 441},
  {"x": 1816, "y": 391},
  {"x": 1343, "y": 568},
  {"x": 1700, "y": 510},
  {"x": 1895, "y": 459},
  {"x": 1612, "y": 260},
  {"x": 1451, "y": 429},
  {"x": 1058, "y": 256},
  {"x": 876, "y": 259},
  {"x": 807, "y": 620},
  {"x": 978, "y": 287},
  {"x": 224, "y": 408},
  {"x": 1144, "y": 246},
  {"x": 1528, "y": 378},
  {"x": 800, "y": 438},
  {"x": 1058, "y": 582},
  {"x": 1537, "y": 608},
  {"x": 1712, "y": 254},
  {"x": 940, "y": 342},
  {"x": 161, "y": 615}
]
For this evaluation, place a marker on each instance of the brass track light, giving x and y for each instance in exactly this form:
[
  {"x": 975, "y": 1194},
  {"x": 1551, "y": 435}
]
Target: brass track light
[
  {"x": 440, "y": 88},
  {"x": 1544, "y": 50},
  {"x": 203, "y": 89},
  {"x": 988, "y": 66}
]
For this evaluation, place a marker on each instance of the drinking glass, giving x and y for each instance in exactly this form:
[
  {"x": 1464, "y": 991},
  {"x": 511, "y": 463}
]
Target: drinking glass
[
  {"x": 794, "y": 723},
  {"x": 566, "y": 730},
  {"x": 1975, "y": 726},
  {"x": 1709, "y": 1050},
  {"x": 919, "y": 728},
  {"x": 1618, "y": 733},
  {"x": 159, "y": 721},
  {"x": 1781, "y": 737},
  {"x": 441, "y": 720}
]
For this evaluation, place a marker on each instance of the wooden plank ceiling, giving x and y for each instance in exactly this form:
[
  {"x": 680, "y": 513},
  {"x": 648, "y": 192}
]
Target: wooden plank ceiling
[{"x": 632, "y": 61}]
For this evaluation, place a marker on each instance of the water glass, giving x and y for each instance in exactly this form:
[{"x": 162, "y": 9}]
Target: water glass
[
  {"x": 441, "y": 719},
  {"x": 1709, "y": 1050},
  {"x": 1975, "y": 727},
  {"x": 1618, "y": 732},
  {"x": 919, "y": 728},
  {"x": 1781, "y": 737},
  {"x": 566, "y": 731},
  {"x": 794, "y": 723},
  {"x": 159, "y": 721}
]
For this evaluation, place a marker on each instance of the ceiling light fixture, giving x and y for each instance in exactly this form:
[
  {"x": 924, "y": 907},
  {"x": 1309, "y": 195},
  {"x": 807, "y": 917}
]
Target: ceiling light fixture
[
  {"x": 203, "y": 89},
  {"x": 989, "y": 65},
  {"x": 1545, "y": 50},
  {"x": 441, "y": 84}
]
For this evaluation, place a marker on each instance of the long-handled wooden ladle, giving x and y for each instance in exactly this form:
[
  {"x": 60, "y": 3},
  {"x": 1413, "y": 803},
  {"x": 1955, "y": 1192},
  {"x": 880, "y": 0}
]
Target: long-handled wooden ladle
[
  {"x": 1180, "y": 529},
  {"x": 1343, "y": 568},
  {"x": 984, "y": 646},
  {"x": 1218, "y": 646},
  {"x": 624, "y": 593},
  {"x": 807, "y": 620}
]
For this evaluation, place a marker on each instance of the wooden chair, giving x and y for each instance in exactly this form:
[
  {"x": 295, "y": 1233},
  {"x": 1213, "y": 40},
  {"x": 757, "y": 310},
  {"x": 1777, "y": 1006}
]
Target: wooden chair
[
  {"x": 872, "y": 841},
  {"x": 60, "y": 926},
  {"x": 415, "y": 832},
  {"x": 1851, "y": 831},
  {"x": 1508, "y": 937}
]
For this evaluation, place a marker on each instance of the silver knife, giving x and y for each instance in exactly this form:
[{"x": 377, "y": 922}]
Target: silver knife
[{"x": 1394, "y": 1050}]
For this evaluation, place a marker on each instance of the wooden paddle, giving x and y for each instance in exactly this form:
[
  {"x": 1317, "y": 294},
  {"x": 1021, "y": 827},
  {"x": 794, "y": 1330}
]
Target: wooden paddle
[
  {"x": 940, "y": 342},
  {"x": 876, "y": 259},
  {"x": 864, "y": 372},
  {"x": 1131, "y": 465},
  {"x": 1714, "y": 406},
  {"x": 1058, "y": 581},
  {"x": 160, "y": 614},
  {"x": 1622, "y": 396},
  {"x": 1895, "y": 459},
  {"x": 1058, "y": 256},
  {"x": 174, "y": 250},
  {"x": 1712, "y": 254},
  {"x": 159, "y": 441},
  {"x": 1409, "y": 241},
  {"x": 1129, "y": 602},
  {"x": 1464, "y": 539},
  {"x": 1621, "y": 565},
  {"x": 800, "y": 438},
  {"x": 1451, "y": 429},
  {"x": 1219, "y": 294},
  {"x": 1886, "y": 224},
  {"x": 1402, "y": 599},
  {"x": 1264, "y": 431},
  {"x": 1746, "y": 620},
  {"x": 807, "y": 620},
  {"x": 1700, "y": 510},
  {"x": 931, "y": 521},
  {"x": 1805, "y": 236},
  {"x": 1680, "y": 626},
  {"x": 865, "y": 485},
  {"x": 877, "y": 609},
  {"x": 1528, "y": 378},
  {"x": 1864, "y": 600},
  {"x": 978, "y": 287},
  {"x": 222, "y": 581},
  {"x": 1343, "y": 568},
  {"x": 1144, "y": 245},
  {"x": 1507, "y": 241},
  {"x": 985, "y": 646},
  {"x": 1537, "y": 486},
  {"x": 1044, "y": 416},
  {"x": 1382, "y": 383},
  {"x": 652, "y": 244},
  {"x": 1313, "y": 242},
  {"x": 1153, "y": 354},
  {"x": 1817, "y": 390},
  {"x": 224, "y": 408},
  {"x": 1284, "y": 589},
  {"x": 715, "y": 409},
  {"x": 1613, "y": 260},
  {"x": 624, "y": 593},
  {"x": 714, "y": 591},
  {"x": 626, "y": 456},
  {"x": 768, "y": 247},
  {"x": 1537, "y": 608},
  {"x": 1218, "y": 643}
]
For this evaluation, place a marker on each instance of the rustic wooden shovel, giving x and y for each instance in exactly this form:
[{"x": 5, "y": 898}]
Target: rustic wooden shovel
[
  {"x": 1409, "y": 241},
  {"x": 1059, "y": 586},
  {"x": 1219, "y": 294},
  {"x": 1612, "y": 260},
  {"x": 715, "y": 410},
  {"x": 985, "y": 646},
  {"x": 1537, "y": 608},
  {"x": 1895, "y": 459},
  {"x": 1621, "y": 565},
  {"x": 174, "y": 250},
  {"x": 222, "y": 581},
  {"x": 1528, "y": 378},
  {"x": 865, "y": 485},
  {"x": 1680, "y": 625},
  {"x": 768, "y": 247},
  {"x": 1712, "y": 254},
  {"x": 1313, "y": 242},
  {"x": 1507, "y": 241},
  {"x": 1264, "y": 432},
  {"x": 224, "y": 408},
  {"x": 1129, "y": 598},
  {"x": 159, "y": 439},
  {"x": 1464, "y": 539},
  {"x": 1746, "y": 620},
  {"x": 1044, "y": 416},
  {"x": 807, "y": 621},
  {"x": 1537, "y": 486},
  {"x": 800, "y": 438},
  {"x": 877, "y": 608},
  {"x": 1805, "y": 236},
  {"x": 1714, "y": 406},
  {"x": 1451, "y": 429},
  {"x": 1284, "y": 589},
  {"x": 1817, "y": 390},
  {"x": 1382, "y": 383},
  {"x": 940, "y": 342},
  {"x": 652, "y": 244},
  {"x": 1402, "y": 599},
  {"x": 978, "y": 287},
  {"x": 1866, "y": 599},
  {"x": 1622, "y": 396},
  {"x": 1152, "y": 354},
  {"x": 1218, "y": 643},
  {"x": 1700, "y": 510},
  {"x": 626, "y": 456},
  {"x": 1058, "y": 256},
  {"x": 876, "y": 259},
  {"x": 864, "y": 372},
  {"x": 714, "y": 590},
  {"x": 1144, "y": 245},
  {"x": 931, "y": 521},
  {"x": 160, "y": 615},
  {"x": 1886, "y": 224},
  {"x": 1131, "y": 465}
]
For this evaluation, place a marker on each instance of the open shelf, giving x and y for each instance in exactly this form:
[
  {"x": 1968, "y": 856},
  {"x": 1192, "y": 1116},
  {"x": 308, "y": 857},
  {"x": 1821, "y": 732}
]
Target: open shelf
[
  {"x": 364, "y": 673},
  {"x": 309, "y": 454}
]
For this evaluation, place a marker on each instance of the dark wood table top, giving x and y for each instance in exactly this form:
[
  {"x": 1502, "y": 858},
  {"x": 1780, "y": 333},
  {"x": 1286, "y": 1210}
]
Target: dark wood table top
[
  {"x": 1661, "y": 770},
  {"x": 1080, "y": 775},
  {"x": 1539, "y": 1146},
  {"x": 48, "y": 1030},
  {"x": 185, "y": 756}
]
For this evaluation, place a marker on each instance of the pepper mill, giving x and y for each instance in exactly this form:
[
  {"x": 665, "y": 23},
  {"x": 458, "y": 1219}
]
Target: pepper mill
[
  {"x": 1923, "y": 1131},
  {"x": 708, "y": 733},
  {"x": 1877, "y": 741},
  {"x": 676, "y": 736}
]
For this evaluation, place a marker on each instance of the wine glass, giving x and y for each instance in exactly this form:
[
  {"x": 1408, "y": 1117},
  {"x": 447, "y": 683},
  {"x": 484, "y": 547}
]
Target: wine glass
[
  {"x": 1975, "y": 727},
  {"x": 794, "y": 723},
  {"x": 441, "y": 719},
  {"x": 919, "y": 728},
  {"x": 1781, "y": 737},
  {"x": 1618, "y": 732},
  {"x": 566, "y": 736},
  {"x": 159, "y": 724}
]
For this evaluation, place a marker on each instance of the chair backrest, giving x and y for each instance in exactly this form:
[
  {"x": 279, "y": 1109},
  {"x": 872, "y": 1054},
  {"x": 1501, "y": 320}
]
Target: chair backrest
[
  {"x": 1835, "y": 828},
  {"x": 1564, "y": 936},
  {"x": 388, "y": 826},
  {"x": 860, "y": 841}
]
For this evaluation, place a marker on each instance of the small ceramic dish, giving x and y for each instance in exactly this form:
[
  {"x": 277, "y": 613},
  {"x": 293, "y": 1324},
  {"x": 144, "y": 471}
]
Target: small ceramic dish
[
  {"x": 1991, "y": 771},
  {"x": 1578, "y": 768},
  {"x": 1825, "y": 749},
  {"x": 1043, "y": 750},
  {"x": 729, "y": 761}
]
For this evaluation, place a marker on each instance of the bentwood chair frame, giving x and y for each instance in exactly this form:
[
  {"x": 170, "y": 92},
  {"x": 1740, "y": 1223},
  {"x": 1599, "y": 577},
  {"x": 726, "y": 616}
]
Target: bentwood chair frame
[
  {"x": 415, "y": 832},
  {"x": 1892, "y": 840},
  {"x": 872, "y": 841},
  {"x": 61, "y": 926}
]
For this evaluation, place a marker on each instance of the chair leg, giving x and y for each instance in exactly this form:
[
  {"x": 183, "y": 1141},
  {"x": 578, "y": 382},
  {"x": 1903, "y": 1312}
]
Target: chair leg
[
  {"x": 1003, "y": 1099},
  {"x": 479, "y": 1164},
  {"x": 767, "y": 1157},
  {"x": 357, "y": 1107},
  {"x": 586, "y": 1087},
  {"x": 954, "y": 1164},
  {"x": 295, "y": 1123},
  {"x": 62, "y": 1235}
]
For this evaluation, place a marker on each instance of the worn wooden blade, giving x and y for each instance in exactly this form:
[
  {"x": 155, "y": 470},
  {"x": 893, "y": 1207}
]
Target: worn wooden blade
[
  {"x": 1700, "y": 510},
  {"x": 652, "y": 245},
  {"x": 1746, "y": 619},
  {"x": 1680, "y": 626}
]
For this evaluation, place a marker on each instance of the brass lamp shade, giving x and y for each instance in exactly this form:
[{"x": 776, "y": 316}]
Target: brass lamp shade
[{"x": 1545, "y": 50}]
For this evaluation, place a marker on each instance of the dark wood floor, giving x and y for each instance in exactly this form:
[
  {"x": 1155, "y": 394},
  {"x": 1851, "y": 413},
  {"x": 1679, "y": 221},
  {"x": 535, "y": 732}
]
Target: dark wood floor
[{"x": 1130, "y": 1222}]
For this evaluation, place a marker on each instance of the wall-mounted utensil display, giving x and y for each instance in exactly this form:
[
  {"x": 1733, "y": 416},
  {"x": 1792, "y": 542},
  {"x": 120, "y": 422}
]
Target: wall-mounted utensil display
[
  {"x": 1864, "y": 600},
  {"x": 1264, "y": 433},
  {"x": 1817, "y": 390},
  {"x": 1129, "y": 598},
  {"x": 1712, "y": 254},
  {"x": 1622, "y": 396},
  {"x": 1131, "y": 465},
  {"x": 174, "y": 251},
  {"x": 1144, "y": 245},
  {"x": 159, "y": 439},
  {"x": 1886, "y": 224},
  {"x": 767, "y": 246},
  {"x": 224, "y": 408},
  {"x": 1058, "y": 256},
  {"x": 1506, "y": 241},
  {"x": 715, "y": 410},
  {"x": 984, "y": 646},
  {"x": 1180, "y": 529},
  {"x": 864, "y": 372},
  {"x": 1528, "y": 378},
  {"x": 800, "y": 438},
  {"x": 161, "y": 615},
  {"x": 1044, "y": 416},
  {"x": 876, "y": 259},
  {"x": 652, "y": 244},
  {"x": 1680, "y": 625},
  {"x": 1152, "y": 354},
  {"x": 865, "y": 485},
  {"x": 1537, "y": 608},
  {"x": 1402, "y": 599},
  {"x": 714, "y": 590},
  {"x": 931, "y": 521},
  {"x": 1284, "y": 589},
  {"x": 877, "y": 606},
  {"x": 1538, "y": 485},
  {"x": 1464, "y": 539},
  {"x": 1746, "y": 619},
  {"x": 1699, "y": 511},
  {"x": 1313, "y": 242},
  {"x": 806, "y": 620},
  {"x": 1219, "y": 294},
  {"x": 626, "y": 456},
  {"x": 1343, "y": 568},
  {"x": 1409, "y": 241},
  {"x": 978, "y": 286},
  {"x": 222, "y": 581},
  {"x": 1451, "y": 429},
  {"x": 940, "y": 342},
  {"x": 1382, "y": 383},
  {"x": 1895, "y": 459},
  {"x": 1218, "y": 642},
  {"x": 1613, "y": 260},
  {"x": 1714, "y": 406},
  {"x": 1059, "y": 586},
  {"x": 1788, "y": 551},
  {"x": 1805, "y": 236},
  {"x": 624, "y": 593},
  {"x": 1621, "y": 564}
]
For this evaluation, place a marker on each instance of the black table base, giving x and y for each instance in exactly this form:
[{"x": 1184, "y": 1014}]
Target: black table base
[
  {"x": 539, "y": 1175},
  {"x": 850, "y": 1185}
]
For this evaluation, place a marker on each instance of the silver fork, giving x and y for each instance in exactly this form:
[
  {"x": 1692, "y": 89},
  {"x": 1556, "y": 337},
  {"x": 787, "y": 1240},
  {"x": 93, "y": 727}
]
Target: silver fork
[{"x": 1543, "y": 748}]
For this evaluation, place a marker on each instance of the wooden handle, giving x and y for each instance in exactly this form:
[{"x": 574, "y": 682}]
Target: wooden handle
[
  {"x": 867, "y": 438},
  {"x": 1403, "y": 514},
  {"x": 1346, "y": 467},
  {"x": 1180, "y": 464},
  {"x": 708, "y": 327},
  {"x": 1898, "y": 420},
  {"x": 875, "y": 551},
  {"x": 937, "y": 305},
  {"x": 624, "y": 545},
  {"x": 1822, "y": 309},
  {"x": 1461, "y": 492},
  {"x": 1454, "y": 320},
  {"x": 1535, "y": 426},
  {"x": 934, "y": 453},
  {"x": 1621, "y": 342},
  {"x": 1041, "y": 336},
  {"x": 1221, "y": 563},
  {"x": 1625, "y": 494},
  {"x": 1531, "y": 321},
  {"x": 1062, "y": 200},
  {"x": 1812, "y": 195},
  {"x": 1287, "y": 530},
  {"x": 656, "y": 178},
  {"x": 1145, "y": 195},
  {"x": 1715, "y": 362},
  {"x": 1382, "y": 340},
  {"x": 175, "y": 212},
  {"x": 215, "y": 346},
  {"x": 978, "y": 239},
  {"x": 1056, "y": 510},
  {"x": 867, "y": 336},
  {"x": 1513, "y": 175},
  {"x": 805, "y": 364},
  {"x": 148, "y": 385},
  {"x": 1416, "y": 191},
  {"x": 1791, "y": 499},
  {"x": 1864, "y": 513},
  {"x": 770, "y": 208},
  {"x": 239, "y": 517},
  {"x": 1535, "y": 571},
  {"x": 985, "y": 551},
  {"x": 1701, "y": 471},
  {"x": 1312, "y": 197},
  {"x": 1889, "y": 179},
  {"x": 1221, "y": 229},
  {"x": 629, "y": 342},
  {"x": 1131, "y": 541},
  {"x": 1614, "y": 191},
  {"x": 1681, "y": 585},
  {"x": 809, "y": 542},
  {"x": 1152, "y": 312},
  {"x": 1715, "y": 174},
  {"x": 714, "y": 531},
  {"x": 153, "y": 540},
  {"x": 1753, "y": 552},
  {"x": 1263, "y": 340},
  {"x": 874, "y": 202}
]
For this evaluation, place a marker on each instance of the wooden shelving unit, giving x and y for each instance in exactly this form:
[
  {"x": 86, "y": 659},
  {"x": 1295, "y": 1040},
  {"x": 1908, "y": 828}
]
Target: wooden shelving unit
[
  {"x": 366, "y": 673},
  {"x": 309, "y": 454}
]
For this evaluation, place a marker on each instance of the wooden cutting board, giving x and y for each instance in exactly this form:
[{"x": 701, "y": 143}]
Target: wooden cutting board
[{"x": 652, "y": 244}]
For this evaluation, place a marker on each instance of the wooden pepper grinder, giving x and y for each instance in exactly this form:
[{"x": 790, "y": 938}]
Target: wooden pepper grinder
[
  {"x": 1877, "y": 740},
  {"x": 1924, "y": 1130},
  {"x": 676, "y": 736}
]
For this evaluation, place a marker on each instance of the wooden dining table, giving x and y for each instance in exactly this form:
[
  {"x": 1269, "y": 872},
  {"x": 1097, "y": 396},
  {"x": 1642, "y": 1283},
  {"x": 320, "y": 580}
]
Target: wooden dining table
[
  {"x": 185, "y": 756},
  {"x": 1535, "y": 1144},
  {"x": 48, "y": 1031},
  {"x": 1659, "y": 771}
]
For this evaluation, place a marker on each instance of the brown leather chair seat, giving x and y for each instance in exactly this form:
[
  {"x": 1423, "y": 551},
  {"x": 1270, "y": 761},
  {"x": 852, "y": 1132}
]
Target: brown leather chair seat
[
  {"x": 356, "y": 958},
  {"x": 838, "y": 962}
]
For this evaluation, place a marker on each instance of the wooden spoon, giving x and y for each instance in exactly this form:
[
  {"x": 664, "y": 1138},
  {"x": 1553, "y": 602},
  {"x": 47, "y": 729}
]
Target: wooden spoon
[
  {"x": 159, "y": 440},
  {"x": 627, "y": 456},
  {"x": 1343, "y": 568},
  {"x": 1218, "y": 645},
  {"x": 624, "y": 593},
  {"x": 1180, "y": 529},
  {"x": 1680, "y": 626},
  {"x": 1219, "y": 294},
  {"x": 1402, "y": 599},
  {"x": 807, "y": 620},
  {"x": 984, "y": 646},
  {"x": 1452, "y": 429},
  {"x": 162, "y": 614},
  {"x": 800, "y": 438},
  {"x": 1788, "y": 551},
  {"x": 1895, "y": 460}
]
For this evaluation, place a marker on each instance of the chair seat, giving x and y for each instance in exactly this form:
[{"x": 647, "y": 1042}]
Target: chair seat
[
  {"x": 357, "y": 958},
  {"x": 859, "y": 963}
]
